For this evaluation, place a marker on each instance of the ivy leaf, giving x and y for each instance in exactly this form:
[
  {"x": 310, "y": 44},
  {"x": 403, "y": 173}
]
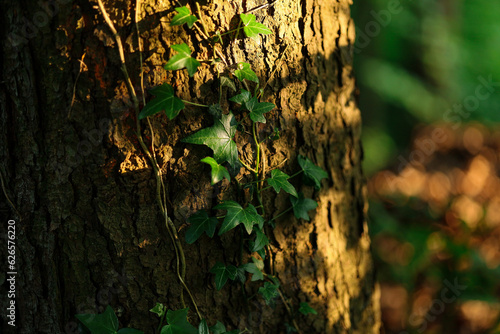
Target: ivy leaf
[
  {"x": 222, "y": 274},
  {"x": 279, "y": 180},
  {"x": 103, "y": 323},
  {"x": 245, "y": 72},
  {"x": 260, "y": 242},
  {"x": 302, "y": 205},
  {"x": 130, "y": 331},
  {"x": 218, "y": 328},
  {"x": 182, "y": 59},
  {"x": 178, "y": 324},
  {"x": 252, "y": 268},
  {"x": 215, "y": 110},
  {"x": 269, "y": 292},
  {"x": 306, "y": 309},
  {"x": 258, "y": 109},
  {"x": 242, "y": 97},
  {"x": 219, "y": 139},
  {"x": 184, "y": 16},
  {"x": 218, "y": 171},
  {"x": 203, "y": 327},
  {"x": 253, "y": 28},
  {"x": 226, "y": 82},
  {"x": 164, "y": 100},
  {"x": 312, "y": 173},
  {"x": 236, "y": 215},
  {"x": 159, "y": 309},
  {"x": 200, "y": 222}
]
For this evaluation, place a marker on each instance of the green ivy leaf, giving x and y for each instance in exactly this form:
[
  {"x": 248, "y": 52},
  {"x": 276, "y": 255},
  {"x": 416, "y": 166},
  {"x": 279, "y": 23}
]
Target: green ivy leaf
[
  {"x": 203, "y": 327},
  {"x": 252, "y": 268},
  {"x": 130, "y": 331},
  {"x": 306, "y": 309},
  {"x": 279, "y": 180},
  {"x": 218, "y": 328},
  {"x": 260, "y": 242},
  {"x": 218, "y": 171},
  {"x": 184, "y": 16},
  {"x": 219, "y": 139},
  {"x": 302, "y": 205},
  {"x": 222, "y": 274},
  {"x": 164, "y": 100},
  {"x": 312, "y": 173},
  {"x": 245, "y": 72},
  {"x": 236, "y": 215},
  {"x": 215, "y": 110},
  {"x": 200, "y": 222},
  {"x": 178, "y": 324},
  {"x": 242, "y": 97},
  {"x": 269, "y": 292},
  {"x": 258, "y": 109},
  {"x": 182, "y": 59},
  {"x": 103, "y": 323},
  {"x": 226, "y": 82},
  {"x": 159, "y": 309},
  {"x": 253, "y": 28}
]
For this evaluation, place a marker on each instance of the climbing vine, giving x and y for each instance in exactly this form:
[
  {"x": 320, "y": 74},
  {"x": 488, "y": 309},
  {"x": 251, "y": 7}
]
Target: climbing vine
[{"x": 248, "y": 216}]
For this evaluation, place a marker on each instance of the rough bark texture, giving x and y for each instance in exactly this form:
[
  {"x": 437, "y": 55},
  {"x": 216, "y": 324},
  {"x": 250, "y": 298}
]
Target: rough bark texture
[{"x": 91, "y": 233}]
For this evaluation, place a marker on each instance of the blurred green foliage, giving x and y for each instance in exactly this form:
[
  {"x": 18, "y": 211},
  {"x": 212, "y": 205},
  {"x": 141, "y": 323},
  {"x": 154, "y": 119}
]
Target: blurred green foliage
[{"x": 414, "y": 61}]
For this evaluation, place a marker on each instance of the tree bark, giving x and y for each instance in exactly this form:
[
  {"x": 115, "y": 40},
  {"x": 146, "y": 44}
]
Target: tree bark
[{"x": 89, "y": 231}]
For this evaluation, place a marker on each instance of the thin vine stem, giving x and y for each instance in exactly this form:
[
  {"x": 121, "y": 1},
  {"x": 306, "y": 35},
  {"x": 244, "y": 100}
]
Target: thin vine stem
[{"x": 160, "y": 185}]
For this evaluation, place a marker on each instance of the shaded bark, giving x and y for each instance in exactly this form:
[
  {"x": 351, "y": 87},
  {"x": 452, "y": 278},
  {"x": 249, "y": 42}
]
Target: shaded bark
[{"x": 91, "y": 233}]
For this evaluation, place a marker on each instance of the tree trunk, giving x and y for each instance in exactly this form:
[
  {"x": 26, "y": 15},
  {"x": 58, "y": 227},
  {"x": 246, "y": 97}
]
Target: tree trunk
[{"x": 88, "y": 227}]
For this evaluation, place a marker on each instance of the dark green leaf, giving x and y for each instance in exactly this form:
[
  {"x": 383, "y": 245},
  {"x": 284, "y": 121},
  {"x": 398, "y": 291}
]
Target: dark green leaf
[
  {"x": 226, "y": 82},
  {"x": 203, "y": 327},
  {"x": 252, "y": 268},
  {"x": 279, "y": 180},
  {"x": 305, "y": 309},
  {"x": 219, "y": 139},
  {"x": 245, "y": 72},
  {"x": 242, "y": 97},
  {"x": 253, "y": 28},
  {"x": 260, "y": 242},
  {"x": 104, "y": 323},
  {"x": 178, "y": 324},
  {"x": 184, "y": 16},
  {"x": 241, "y": 274},
  {"x": 218, "y": 171},
  {"x": 200, "y": 222},
  {"x": 222, "y": 274},
  {"x": 215, "y": 110},
  {"x": 312, "y": 173},
  {"x": 218, "y": 328},
  {"x": 302, "y": 205},
  {"x": 269, "y": 292},
  {"x": 236, "y": 215},
  {"x": 130, "y": 331},
  {"x": 164, "y": 100},
  {"x": 158, "y": 309},
  {"x": 182, "y": 59},
  {"x": 258, "y": 109}
]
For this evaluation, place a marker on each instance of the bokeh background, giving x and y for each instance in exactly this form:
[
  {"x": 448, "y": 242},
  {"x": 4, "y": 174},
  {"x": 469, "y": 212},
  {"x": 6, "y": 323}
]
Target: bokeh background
[{"x": 428, "y": 73}]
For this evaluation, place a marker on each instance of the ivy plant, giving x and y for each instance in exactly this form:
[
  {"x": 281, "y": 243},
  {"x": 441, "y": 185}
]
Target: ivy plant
[{"x": 249, "y": 217}]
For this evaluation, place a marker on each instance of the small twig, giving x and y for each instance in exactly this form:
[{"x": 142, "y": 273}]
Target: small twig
[
  {"x": 82, "y": 66},
  {"x": 281, "y": 163},
  {"x": 261, "y": 7},
  {"x": 7, "y": 196},
  {"x": 203, "y": 24}
]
